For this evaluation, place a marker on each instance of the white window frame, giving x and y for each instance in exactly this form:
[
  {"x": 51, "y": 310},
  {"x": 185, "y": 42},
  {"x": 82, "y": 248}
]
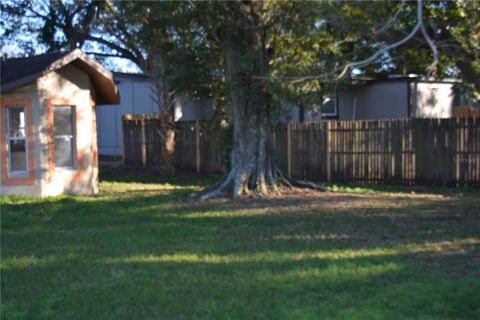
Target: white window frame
[
  {"x": 73, "y": 137},
  {"x": 334, "y": 96},
  {"x": 17, "y": 173}
]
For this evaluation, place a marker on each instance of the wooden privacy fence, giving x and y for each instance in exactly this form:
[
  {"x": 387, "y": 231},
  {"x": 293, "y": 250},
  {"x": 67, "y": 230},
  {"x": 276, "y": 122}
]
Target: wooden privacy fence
[
  {"x": 466, "y": 111},
  {"x": 141, "y": 140},
  {"x": 403, "y": 151},
  {"x": 197, "y": 148}
]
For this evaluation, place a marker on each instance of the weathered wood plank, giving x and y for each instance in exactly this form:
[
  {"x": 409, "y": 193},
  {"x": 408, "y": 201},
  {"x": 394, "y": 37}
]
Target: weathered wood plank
[{"x": 422, "y": 151}]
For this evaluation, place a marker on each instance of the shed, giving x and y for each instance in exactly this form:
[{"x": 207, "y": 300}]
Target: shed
[{"x": 48, "y": 128}]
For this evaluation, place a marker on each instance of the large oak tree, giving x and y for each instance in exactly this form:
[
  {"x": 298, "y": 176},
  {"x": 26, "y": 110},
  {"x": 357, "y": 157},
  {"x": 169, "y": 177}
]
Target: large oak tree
[{"x": 253, "y": 55}]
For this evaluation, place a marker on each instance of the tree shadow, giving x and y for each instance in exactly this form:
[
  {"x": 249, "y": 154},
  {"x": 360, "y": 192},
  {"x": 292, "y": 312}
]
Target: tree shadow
[
  {"x": 296, "y": 256},
  {"x": 249, "y": 226},
  {"x": 142, "y": 175}
]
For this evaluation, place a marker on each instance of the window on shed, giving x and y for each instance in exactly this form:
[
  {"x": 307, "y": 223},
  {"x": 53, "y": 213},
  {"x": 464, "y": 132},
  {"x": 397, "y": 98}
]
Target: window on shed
[
  {"x": 16, "y": 139},
  {"x": 64, "y": 132}
]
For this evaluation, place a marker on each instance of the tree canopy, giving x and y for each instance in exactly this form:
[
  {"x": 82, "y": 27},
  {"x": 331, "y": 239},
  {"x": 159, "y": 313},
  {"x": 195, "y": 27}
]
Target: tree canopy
[
  {"x": 252, "y": 55},
  {"x": 312, "y": 40}
]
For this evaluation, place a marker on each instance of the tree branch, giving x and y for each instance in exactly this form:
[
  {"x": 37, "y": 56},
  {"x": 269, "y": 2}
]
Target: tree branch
[
  {"x": 349, "y": 66},
  {"x": 108, "y": 55},
  {"x": 431, "y": 44},
  {"x": 124, "y": 52},
  {"x": 384, "y": 26}
]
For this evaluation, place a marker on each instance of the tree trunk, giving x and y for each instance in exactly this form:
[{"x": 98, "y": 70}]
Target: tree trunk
[
  {"x": 167, "y": 148},
  {"x": 251, "y": 162},
  {"x": 165, "y": 101},
  {"x": 251, "y": 167}
]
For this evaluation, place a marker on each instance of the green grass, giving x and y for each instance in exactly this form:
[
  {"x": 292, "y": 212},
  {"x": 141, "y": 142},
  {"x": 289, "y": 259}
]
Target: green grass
[
  {"x": 372, "y": 189},
  {"x": 142, "y": 249}
]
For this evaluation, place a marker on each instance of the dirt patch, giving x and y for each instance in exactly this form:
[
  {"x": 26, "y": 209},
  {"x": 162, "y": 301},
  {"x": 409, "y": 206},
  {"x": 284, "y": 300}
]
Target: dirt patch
[{"x": 337, "y": 201}]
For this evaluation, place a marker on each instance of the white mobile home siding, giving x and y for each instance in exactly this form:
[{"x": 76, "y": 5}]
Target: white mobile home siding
[
  {"x": 374, "y": 101},
  {"x": 431, "y": 99},
  {"x": 379, "y": 100},
  {"x": 136, "y": 96}
]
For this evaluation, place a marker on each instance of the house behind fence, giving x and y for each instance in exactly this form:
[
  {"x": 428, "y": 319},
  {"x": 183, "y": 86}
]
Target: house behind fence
[
  {"x": 400, "y": 151},
  {"x": 138, "y": 97},
  {"x": 364, "y": 98}
]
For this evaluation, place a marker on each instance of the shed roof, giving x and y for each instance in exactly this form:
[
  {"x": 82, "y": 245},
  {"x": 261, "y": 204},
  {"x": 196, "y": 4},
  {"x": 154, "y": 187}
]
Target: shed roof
[
  {"x": 142, "y": 77},
  {"x": 21, "y": 71},
  {"x": 367, "y": 80}
]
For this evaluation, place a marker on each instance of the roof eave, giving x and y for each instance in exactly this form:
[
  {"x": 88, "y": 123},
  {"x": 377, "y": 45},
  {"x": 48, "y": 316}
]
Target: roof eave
[
  {"x": 20, "y": 82},
  {"x": 103, "y": 80}
]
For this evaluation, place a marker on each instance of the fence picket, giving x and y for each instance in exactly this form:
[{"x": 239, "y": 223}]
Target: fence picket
[{"x": 406, "y": 151}]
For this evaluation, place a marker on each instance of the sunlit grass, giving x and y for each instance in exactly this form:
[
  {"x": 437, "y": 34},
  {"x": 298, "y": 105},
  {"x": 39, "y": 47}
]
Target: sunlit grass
[
  {"x": 268, "y": 256},
  {"x": 143, "y": 249},
  {"x": 381, "y": 189},
  {"x": 272, "y": 256}
]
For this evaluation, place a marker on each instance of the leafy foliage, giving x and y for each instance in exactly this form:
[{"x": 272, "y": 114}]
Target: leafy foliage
[{"x": 180, "y": 41}]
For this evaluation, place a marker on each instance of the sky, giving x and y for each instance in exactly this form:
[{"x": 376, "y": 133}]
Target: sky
[{"x": 11, "y": 49}]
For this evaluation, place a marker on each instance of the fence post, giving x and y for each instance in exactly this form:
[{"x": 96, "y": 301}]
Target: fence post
[
  {"x": 328, "y": 146},
  {"x": 399, "y": 151},
  {"x": 143, "y": 143},
  {"x": 289, "y": 150},
  {"x": 197, "y": 146},
  {"x": 124, "y": 123}
]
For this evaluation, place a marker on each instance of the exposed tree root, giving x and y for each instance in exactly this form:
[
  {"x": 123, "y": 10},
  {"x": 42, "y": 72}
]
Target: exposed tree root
[
  {"x": 217, "y": 190},
  {"x": 237, "y": 185},
  {"x": 310, "y": 185}
]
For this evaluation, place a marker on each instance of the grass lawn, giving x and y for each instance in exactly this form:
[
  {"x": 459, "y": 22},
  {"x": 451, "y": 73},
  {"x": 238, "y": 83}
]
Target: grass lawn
[{"x": 142, "y": 249}]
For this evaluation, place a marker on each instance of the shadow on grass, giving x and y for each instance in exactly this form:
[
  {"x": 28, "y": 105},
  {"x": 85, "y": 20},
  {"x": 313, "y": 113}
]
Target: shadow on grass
[
  {"x": 280, "y": 288},
  {"x": 149, "y": 176},
  {"x": 397, "y": 188},
  {"x": 165, "y": 256},
  {"x": 290, "y": 222}
]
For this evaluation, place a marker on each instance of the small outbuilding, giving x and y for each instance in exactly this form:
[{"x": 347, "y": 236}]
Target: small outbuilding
[{"x": 48, "y": 131}]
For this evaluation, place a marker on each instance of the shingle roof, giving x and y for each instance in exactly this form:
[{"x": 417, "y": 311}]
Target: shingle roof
[
  {"x": 15, "y": 69},
  {"x": 21, "y": 71}
]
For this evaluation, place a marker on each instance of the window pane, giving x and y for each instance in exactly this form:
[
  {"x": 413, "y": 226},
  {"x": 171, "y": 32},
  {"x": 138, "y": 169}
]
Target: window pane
[
  {"x": 63, "y": 152},
  {"x": 328, "y": 105},
  {"x": 16, "y": 122},
  {"x": 63, "y": 121},
  {"x": 18, "y": 155}
]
